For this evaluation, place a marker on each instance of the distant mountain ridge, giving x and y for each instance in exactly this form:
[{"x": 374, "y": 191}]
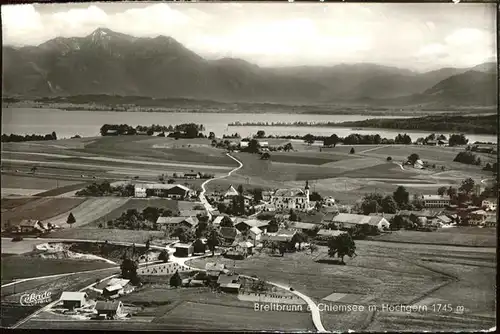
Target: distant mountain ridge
[{"x": 108, "y": 62}]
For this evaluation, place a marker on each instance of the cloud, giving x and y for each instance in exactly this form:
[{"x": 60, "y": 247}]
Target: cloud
[
  {"x": 465, "y": 36},
  {"x": 19, "y": 22}
]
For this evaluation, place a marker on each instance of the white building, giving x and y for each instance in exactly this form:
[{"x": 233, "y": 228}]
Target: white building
[
  {"x": 295, "y": 198},
  {"x": 175, "y": 191},
  {"x": 489, "y": 204},
  {"x": 435, "y": 201}
]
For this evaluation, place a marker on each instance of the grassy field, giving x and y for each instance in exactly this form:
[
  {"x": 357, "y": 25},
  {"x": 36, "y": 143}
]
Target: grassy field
[
  {"x": 384, "y": 273},
  {"x": 32, "y": 182},
  {"x": 105, "y": 234},
  {"x": 90, "y": 210},
  {"x": 21, "y": 266},
  {"x": 220, "y": 317},
  {"x": 485, "y": 237},
  {"x": 139, "y": 205},
  {"x": 11, "y": 203},
  {"x": 40, "y": 209}
]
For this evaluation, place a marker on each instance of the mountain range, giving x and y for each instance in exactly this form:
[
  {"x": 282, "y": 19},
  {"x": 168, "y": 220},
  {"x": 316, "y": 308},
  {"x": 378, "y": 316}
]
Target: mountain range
[{"x": 107, "y": 62}]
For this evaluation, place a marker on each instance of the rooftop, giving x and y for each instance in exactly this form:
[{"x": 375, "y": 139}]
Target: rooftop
[
  {"x": 330, "y": 233},
  {"x": 107, "y": 306},
  {"x": 303, "y": 226},
  {"x": 160, "y": 186},
  {"x": 435, "y": 197},
  {"x": 255, "y": 222},
  {"x": 294, "y": 192},
  {"x": 70, "y": 295}
]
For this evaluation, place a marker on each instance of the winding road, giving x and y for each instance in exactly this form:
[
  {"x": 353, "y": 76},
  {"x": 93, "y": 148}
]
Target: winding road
[{"x": 202, "y": 197}]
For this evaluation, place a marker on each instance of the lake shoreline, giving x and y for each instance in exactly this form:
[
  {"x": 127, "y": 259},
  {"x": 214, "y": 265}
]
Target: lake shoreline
[{"x": 347, "y": 111}]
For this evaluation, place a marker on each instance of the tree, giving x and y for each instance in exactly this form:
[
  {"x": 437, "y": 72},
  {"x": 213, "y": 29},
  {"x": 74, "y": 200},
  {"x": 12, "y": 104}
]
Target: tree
[
  {"x": 441, "y": 191},
  {"x": 34, "y": 169},
  {"x": 332, "y": 140},
  {"x": 273, "y": 226},
  {"x": 211, "y": 136},
  {"x": 184, "y": 234},
  {"x": 309, "y": 139},
  {"x": 265, "y": 156},
  {"x": 257, "y": 194},
  {"x": 261, "y": 134},
  {"x": 352, "y": 151},
  {"x": 452, "y": 192},
  {"x": 370, "y": 206},
  {"x": 401, "y": 196},
  {"x": 313, "y": 248},
  {"x": 253, "y": 146},
  {"x": 148, "y": 244},
  {"x": 467, "y": 158},
  {"x": 399, "y": 222},
  {"x": 293, "y": 216},
  {"x": 467, "y": 185},
  {"x": 176, "y": 280},
  {"x": 288, "y": 147},
  {"x": 163, "y": 256},
  {"x": 341, "y": 246},
  {"x": 389, "y": 205},
  {"x": 299, "y": 238},
  {"x": 314, "y": 196},
  {"x": 71, "y": 219},
  {"x": 213, "y": 239},
  {"x": 389, "y": 159},
  {"x": 129, "y": 269},
  {"x": 54, "y": 135},
  {"x": 226, "y": 222},
  {"x": 457, "y": 139},
  {"x": 412, "y": 158}
]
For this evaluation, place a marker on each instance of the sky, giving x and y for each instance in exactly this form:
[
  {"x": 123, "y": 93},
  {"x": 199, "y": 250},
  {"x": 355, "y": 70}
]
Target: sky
[{"x": 422, "y": 37}]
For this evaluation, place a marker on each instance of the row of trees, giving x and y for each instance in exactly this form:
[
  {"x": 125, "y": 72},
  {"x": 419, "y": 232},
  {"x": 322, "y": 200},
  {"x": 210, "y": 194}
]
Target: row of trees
[
  {"x": 469, "y": 158},
  {"x": 12, "y": 138},
  {"x": 132, "y": 219},
  {"x": 106, "y": 189},
  {"x": 185, "y": 130}
]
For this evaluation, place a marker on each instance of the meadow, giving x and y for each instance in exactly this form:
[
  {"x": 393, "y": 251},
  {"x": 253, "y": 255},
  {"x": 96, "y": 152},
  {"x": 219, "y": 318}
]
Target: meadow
[
  {"x": 25, "y": 266},
  {"x": 40, "y": 209},
  {"x": 104, "y": 234},
  {"x": 473, "y": 237}
]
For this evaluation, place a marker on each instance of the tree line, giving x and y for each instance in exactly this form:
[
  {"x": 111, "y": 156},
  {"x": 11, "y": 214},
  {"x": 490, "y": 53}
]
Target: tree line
[
  {"x": 13, "y": 138},
  {"x": 185, "y": 130}
]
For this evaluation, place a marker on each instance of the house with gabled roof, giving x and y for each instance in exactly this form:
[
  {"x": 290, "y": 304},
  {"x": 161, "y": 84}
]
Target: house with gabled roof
[
  {"x": 245, "y": 225},
  {"x": 189, "y": 222}
]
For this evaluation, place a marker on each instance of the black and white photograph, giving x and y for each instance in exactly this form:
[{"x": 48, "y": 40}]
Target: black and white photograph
[{"x": 272, "y": 166}]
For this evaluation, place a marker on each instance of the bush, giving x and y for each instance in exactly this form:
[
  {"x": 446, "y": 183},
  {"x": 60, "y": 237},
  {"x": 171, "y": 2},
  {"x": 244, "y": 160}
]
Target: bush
[{"x": 389, "y": 158}]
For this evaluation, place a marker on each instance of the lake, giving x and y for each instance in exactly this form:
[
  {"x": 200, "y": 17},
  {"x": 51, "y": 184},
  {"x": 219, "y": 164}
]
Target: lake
[{"x": 87, "y": 123}]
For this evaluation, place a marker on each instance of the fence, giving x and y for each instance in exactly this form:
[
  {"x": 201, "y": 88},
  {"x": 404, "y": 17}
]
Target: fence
[{"x": 162, "y": 269}]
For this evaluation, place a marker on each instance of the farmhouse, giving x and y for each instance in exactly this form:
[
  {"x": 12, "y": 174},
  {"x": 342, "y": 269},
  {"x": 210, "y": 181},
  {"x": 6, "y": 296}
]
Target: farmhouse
[
  {"x": 255, "y": 234},
  {"x": 491, "y": 221},
  {"x": 116, "y": 287},
  {"x": 214, "y": 269},
  {"x": 329, "y": 202},
  {"x": 435, "y": 201},
  {"x": 387, "y": 216},
  {"x": 489, "y": 204},
  {"x": 231, "y": 192},
  {"x": 283, "y": 235},
  {"x": 229, "y": 234},
  {"x": 266, "y": 196},
  {"x": 72, "y": 300},
  {"x": 229, "y": 283},
  {"x": 348, "y": 220},
  {"x": 295, "y": 198},
  {"x": 30, "y": 226},
  {"x": 184, "y": 250},
  {"x": 191, "y": 175},
  {"x": 329, "y": 233},
  {"x": 174, "y": 191},
  {"x": 245, "y": 247},
  {"x": 248, "y": 224},
  {"x": 189, "y": 222},
  {"x": 304, "y": 227},
  {"x": 109, "y": 309}
]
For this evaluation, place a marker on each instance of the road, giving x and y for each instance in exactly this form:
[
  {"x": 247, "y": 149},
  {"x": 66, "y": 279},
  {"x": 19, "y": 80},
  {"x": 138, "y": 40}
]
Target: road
[
  {"x": 202, "y": 197},
  {"x": 315, "y": 313}
]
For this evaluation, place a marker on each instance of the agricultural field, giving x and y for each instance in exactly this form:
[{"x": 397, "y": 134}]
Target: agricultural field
[
  {"x": 40, "y": 209},
  {"x": 25, "y": 266},
  {"x": 409, "y": 273},
  {"x": 104, "y": 234},
  {"x": 476, "y": 237},
  {"x": 137, "y": 204},
  {"x": 29, "y": 185},
  {"x": 89, "y": 210},
  {"x": 12, "y": 247}
]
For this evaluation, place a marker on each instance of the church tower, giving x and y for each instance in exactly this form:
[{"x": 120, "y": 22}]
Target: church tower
[{"x": 307, "y": 195}]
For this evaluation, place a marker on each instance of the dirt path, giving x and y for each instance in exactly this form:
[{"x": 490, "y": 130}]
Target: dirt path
[{"x": 202, "y": 197}]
